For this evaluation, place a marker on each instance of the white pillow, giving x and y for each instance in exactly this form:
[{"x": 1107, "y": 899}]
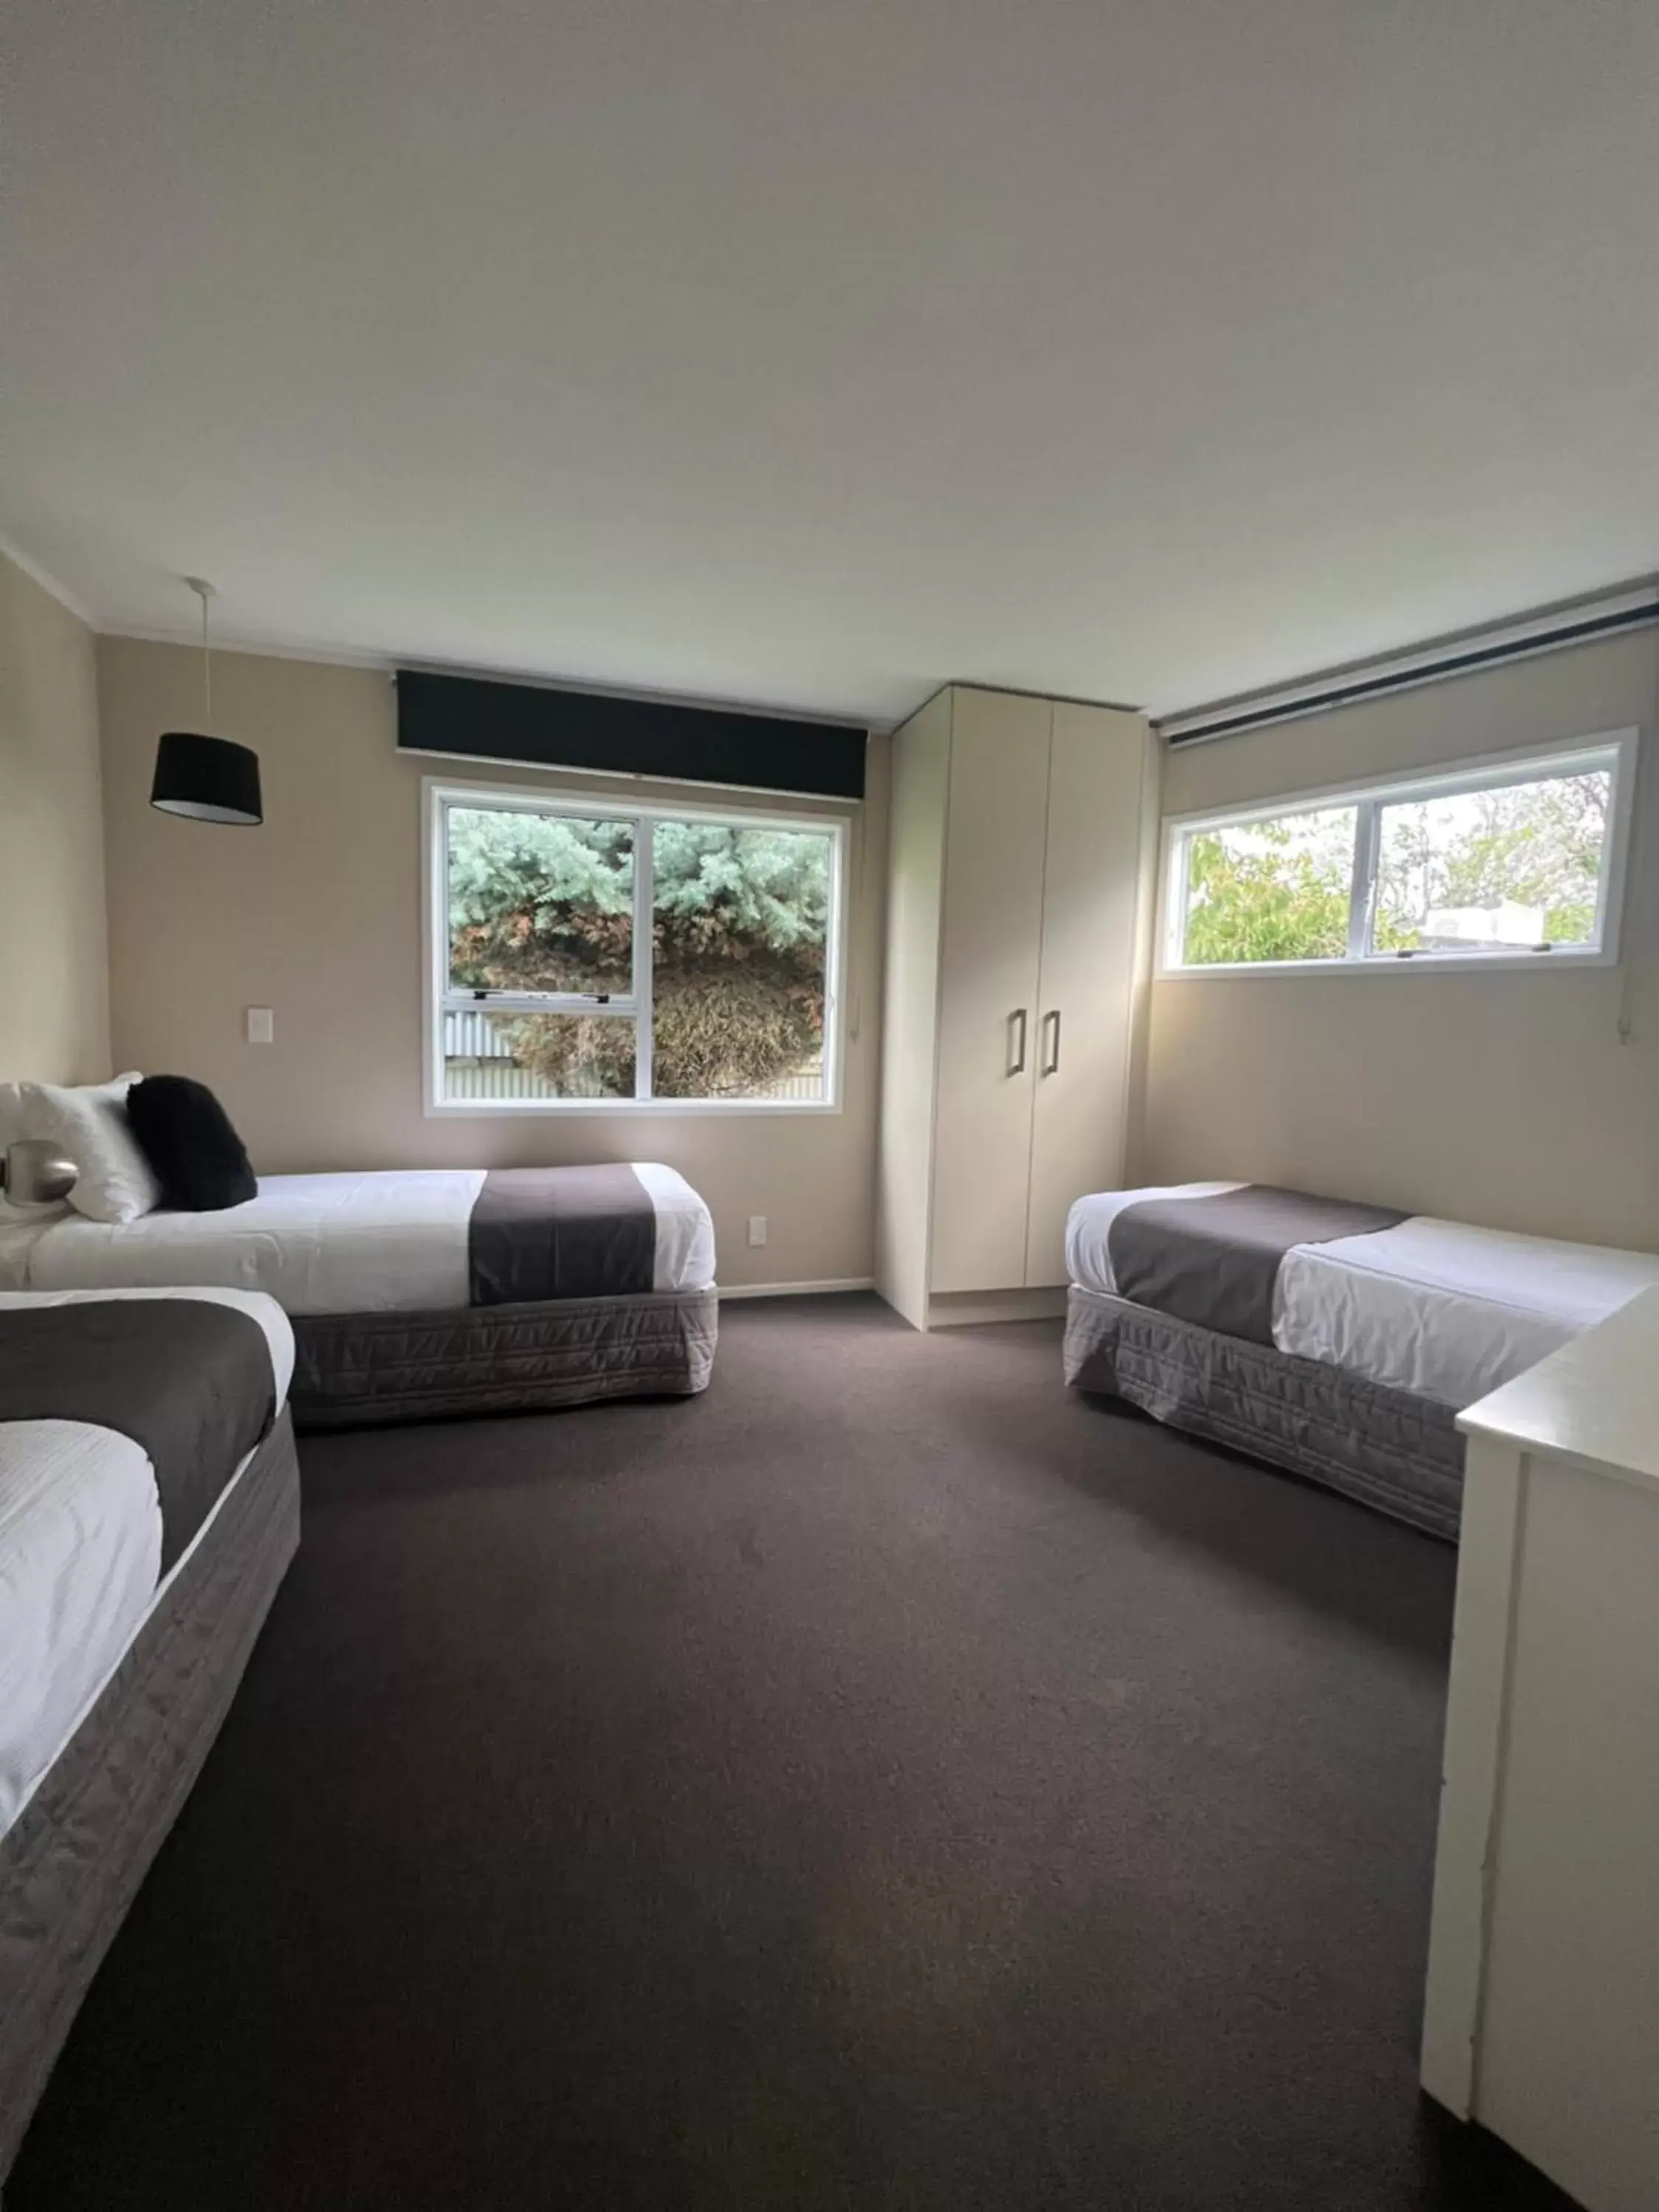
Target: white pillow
[{"x": 88, "y": 1124}]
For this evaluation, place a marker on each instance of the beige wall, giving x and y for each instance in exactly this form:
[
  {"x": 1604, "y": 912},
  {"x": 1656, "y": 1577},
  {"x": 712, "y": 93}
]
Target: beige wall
[
  {"x": 54, "y": 977},
  {"x": 317, "y": 914},
  {"x": 1507, "y": 1099}
]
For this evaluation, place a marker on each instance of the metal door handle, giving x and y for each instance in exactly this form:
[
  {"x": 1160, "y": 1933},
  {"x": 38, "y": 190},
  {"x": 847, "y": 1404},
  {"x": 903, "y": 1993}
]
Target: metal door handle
[
  {"x": 1016, "y": 1053},
  {"x": 1051, "y": 1054}
]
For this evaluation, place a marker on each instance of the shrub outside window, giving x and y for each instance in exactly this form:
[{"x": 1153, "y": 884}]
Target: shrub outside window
[
  {"x": 1518, "y": 862},
  {"x": 599, "y": 955}
]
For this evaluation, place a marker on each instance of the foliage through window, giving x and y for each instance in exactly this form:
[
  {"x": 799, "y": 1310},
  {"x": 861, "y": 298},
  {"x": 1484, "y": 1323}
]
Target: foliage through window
[
  {"x": 1491, "y": 863},
  {"x": 1271, "y": 890},
  {"x": 584, "y": 954}
]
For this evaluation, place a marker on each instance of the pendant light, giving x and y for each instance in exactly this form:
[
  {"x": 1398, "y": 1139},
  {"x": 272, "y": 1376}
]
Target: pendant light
[{"x": 206, "y": 779}]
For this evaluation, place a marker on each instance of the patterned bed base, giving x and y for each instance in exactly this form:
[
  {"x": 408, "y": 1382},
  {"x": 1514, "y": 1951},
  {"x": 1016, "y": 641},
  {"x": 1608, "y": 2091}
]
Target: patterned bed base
[
  {"x": 72, "y": 1861},
  {"x": 1398, "y": 1452},
  {"x": 358, "y": 1369}
]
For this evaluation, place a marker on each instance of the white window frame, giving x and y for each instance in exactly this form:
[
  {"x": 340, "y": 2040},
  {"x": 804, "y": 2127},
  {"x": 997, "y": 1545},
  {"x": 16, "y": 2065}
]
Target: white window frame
[
  {"x": 1613, "y": 749},
  {"x": 438, "y": 795}
]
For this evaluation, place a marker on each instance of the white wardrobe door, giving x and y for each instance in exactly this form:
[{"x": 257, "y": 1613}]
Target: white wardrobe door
[
  {"x": 915, "y": 894},
  {"x": 1091, "y": 891},
  {"x": 998, "y": 808}
]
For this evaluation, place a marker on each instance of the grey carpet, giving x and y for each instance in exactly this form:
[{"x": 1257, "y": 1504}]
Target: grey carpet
[{"x": 886, "y": 1781}]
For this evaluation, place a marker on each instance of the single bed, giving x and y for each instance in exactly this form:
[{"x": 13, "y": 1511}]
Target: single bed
[
  {"x": 1335, "y": 1340},
  {"x": 149, "y": 1509},
  {"x": 435, "y": 1292}
]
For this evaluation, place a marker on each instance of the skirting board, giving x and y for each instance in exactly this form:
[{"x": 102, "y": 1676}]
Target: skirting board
[
  {"x": 794, "y": 1290},
  {"x": 960, "y": 1308}
]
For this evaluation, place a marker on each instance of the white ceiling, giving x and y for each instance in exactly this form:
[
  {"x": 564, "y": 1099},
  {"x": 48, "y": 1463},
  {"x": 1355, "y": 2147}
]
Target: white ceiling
[{"x": 812, "y": 351}]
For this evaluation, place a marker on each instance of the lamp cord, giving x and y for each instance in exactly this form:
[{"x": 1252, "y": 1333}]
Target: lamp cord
[{"x": 207, "y": 665}]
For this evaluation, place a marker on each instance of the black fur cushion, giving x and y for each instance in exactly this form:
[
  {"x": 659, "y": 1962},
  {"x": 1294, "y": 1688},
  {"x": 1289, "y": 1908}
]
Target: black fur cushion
[{"x": 184, "y": 1133}]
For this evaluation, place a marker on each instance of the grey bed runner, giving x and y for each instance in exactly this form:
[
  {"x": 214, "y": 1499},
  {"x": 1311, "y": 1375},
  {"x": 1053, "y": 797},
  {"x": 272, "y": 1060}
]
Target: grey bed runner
[
  {"x": 190, "y": 1381},
  {"x": 1215, "y": 1260},
  {"x": 561, "y": 1233}
]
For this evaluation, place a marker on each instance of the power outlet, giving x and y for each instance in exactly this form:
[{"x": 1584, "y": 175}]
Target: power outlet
[{"x": 757, "y": 1229}]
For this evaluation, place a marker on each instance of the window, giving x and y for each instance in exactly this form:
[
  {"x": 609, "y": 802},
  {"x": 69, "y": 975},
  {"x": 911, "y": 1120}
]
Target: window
[
  {"x": 588, "y": 955},
  {"x": 1502, "y": 862}
]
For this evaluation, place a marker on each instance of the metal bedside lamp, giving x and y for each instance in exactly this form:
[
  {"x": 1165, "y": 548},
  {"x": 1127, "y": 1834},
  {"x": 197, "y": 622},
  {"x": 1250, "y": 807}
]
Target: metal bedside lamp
[{"x": 35, "y": 1173}]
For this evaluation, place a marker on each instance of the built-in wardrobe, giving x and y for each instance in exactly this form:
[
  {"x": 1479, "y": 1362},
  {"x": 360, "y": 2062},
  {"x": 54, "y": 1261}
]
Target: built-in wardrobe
[{"x": 1023, "y": 856}]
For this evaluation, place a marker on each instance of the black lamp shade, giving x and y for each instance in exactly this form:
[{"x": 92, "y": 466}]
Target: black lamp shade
[{"x": 206, "y": 779}]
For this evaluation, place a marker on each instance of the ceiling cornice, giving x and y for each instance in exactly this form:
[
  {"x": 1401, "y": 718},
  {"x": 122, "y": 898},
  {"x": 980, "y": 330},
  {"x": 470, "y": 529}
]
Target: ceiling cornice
[
  {"x": 388, "y": 664},
  {"x": 326, "y": 656}
]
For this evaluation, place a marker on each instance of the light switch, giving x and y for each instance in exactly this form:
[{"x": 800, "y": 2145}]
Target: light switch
[{"x": 261, "y": 1025}]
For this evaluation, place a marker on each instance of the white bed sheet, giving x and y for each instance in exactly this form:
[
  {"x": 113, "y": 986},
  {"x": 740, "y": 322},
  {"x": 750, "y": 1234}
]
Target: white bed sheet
[
  {"x": 1445, "y": 1309},
  {"x": 80, "y": 1553},
  {"x": 20, "y": 1233},
  {"x": 385, "y": 1242},
  {"x": 685, "y": 1229},
  {"x": 80, "y": 1550},
  {"x": 1439, "y": 1308},
  {"x": 322, "y": 1243}
]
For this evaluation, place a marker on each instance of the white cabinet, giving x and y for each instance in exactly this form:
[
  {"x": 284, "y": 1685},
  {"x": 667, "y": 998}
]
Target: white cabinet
[
  {"x": 1023, "y": 851},
  {"x": 1541, "y": 2018},
  {"x": 990, "y": 961}
]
